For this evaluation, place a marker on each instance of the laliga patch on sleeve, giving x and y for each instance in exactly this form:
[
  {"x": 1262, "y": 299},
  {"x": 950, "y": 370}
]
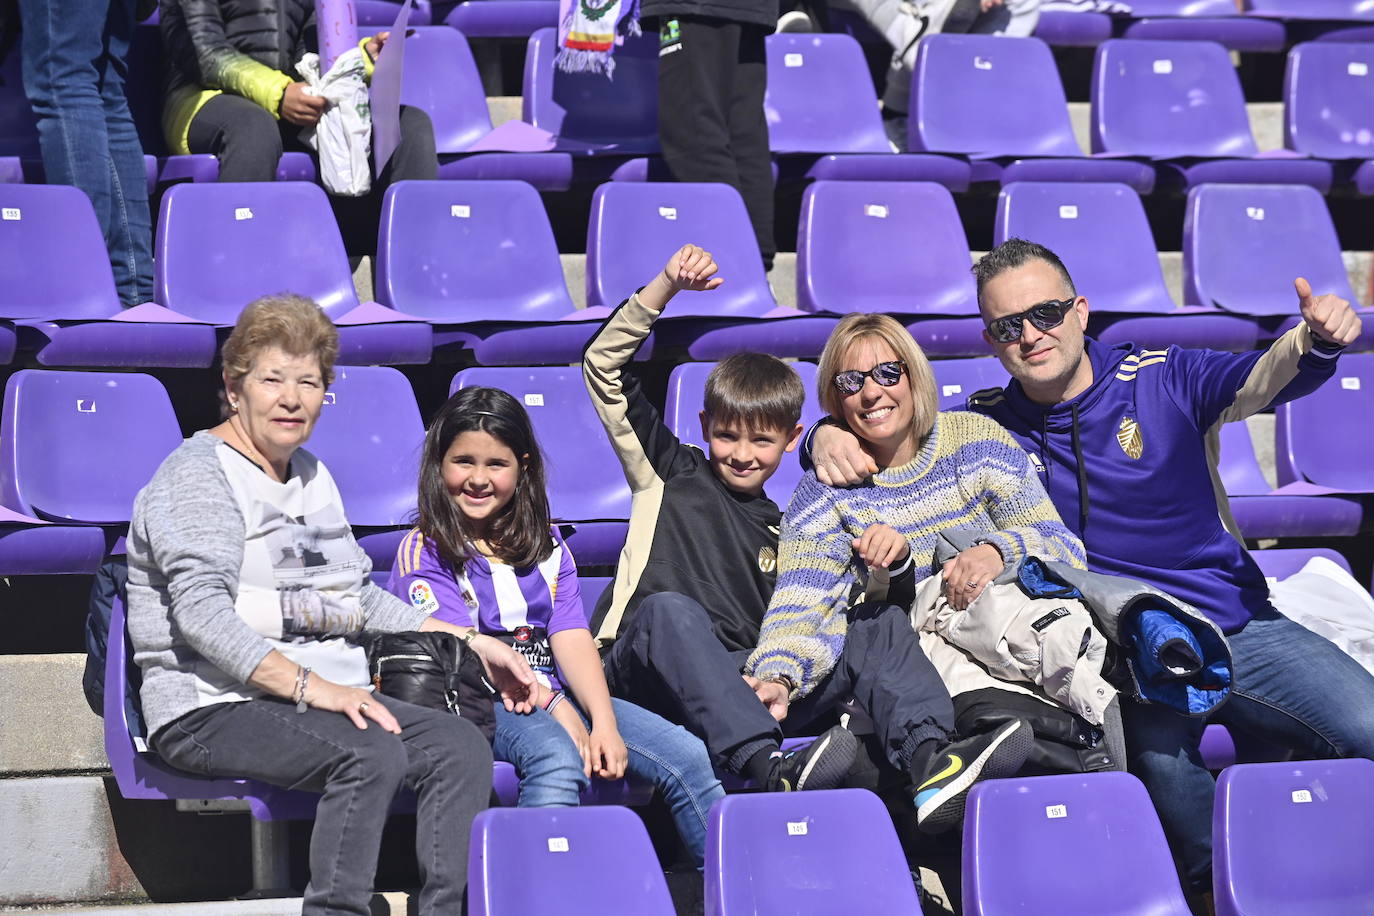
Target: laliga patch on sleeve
[
  {"x": 1056, "y": 614},
  {"x": 422, "y": 596}
]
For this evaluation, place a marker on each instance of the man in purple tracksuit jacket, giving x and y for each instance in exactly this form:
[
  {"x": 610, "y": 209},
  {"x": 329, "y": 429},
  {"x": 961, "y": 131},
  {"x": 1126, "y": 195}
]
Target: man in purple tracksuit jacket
[{"x": 1125, "y": 440}]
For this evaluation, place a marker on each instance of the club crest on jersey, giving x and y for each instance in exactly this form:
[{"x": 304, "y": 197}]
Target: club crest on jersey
[
  {"x": 768, "y": 560},
  {"x": 422, "y": 596},
  {"x": 1129, "y": 438}
]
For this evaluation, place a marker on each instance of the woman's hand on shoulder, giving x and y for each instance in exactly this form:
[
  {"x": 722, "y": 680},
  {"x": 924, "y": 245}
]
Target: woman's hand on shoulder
[
  {"x": 609, "y": 756},
  {"x": 565, "y": 715},
  {"x": 358, "y": 704},
  {"x": 509, "y": 672},
  {"x": 969, "y": 573},
  {"x": 882, "y": 546}
]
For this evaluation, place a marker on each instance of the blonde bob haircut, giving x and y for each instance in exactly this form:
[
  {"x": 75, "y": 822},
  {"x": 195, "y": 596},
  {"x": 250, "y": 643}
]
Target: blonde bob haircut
[
  {"x": 293, "y": 323},
  {"x": 858, "y": 326}
]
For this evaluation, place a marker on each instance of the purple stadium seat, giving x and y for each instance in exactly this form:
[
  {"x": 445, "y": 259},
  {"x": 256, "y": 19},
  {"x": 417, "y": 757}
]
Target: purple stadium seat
[
  {"x": 682, "y": 414},
  {"x": 56, "y": 284},
  {"x": 1104, "y": 238},
  {"x": 588, "y": 113},
  {"x": 1243, "y": 246},
  {"x": 480, "y": 254},
  {"x": 271, "y": 237},
  {"x": 1204, "y": 20},
  {"x": 503, "y": 18},
  {"x": 1334, "y": 10},
  {"x": 1294, "y": 837},
  {"x": 1280, "y": 563},
  {"x": 381, "y": 14},
  {"x": 822, "y": 113},
  {"x": 1086, "y": 844},
  {"x": 590, "y": 860},
  {"x": 585, "y": 482},
  {"x": 441, "y": 78},
  {"x": 636, "y": 226},
  {"x": 896, "y": 247},
  {"x": 1022, "y": 132},
  {"x": 1179, "y": 103},
  {"x": 1289, "y": 511},
  {"x": 806, "y": 852},
  {"x": 956, "y": 379},
  {"x": 1323, "y": 438},
  {"x": 1074, "y": 29},
  {"x": 591, "y": 588},
  {"x": 1329, "y": 107}
]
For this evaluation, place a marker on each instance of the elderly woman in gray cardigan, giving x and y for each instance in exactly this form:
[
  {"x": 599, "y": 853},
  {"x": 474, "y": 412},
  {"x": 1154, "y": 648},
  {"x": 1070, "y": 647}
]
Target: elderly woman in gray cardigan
[{"x": 247, "y": 595}]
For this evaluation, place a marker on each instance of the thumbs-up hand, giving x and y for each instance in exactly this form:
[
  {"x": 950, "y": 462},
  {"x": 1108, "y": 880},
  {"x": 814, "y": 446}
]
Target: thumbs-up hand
[{"x": 1329, "y": 316}]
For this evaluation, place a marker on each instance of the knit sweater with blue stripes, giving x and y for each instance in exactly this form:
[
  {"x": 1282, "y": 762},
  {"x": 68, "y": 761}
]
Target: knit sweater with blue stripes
[{"x": 968, "y": 473}]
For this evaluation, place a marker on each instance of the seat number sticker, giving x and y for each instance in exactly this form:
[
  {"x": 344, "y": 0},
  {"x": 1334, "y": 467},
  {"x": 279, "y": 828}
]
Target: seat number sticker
[
  {"x": 796, "y": 828},
  {"x": 1054, "y": 812},
  {"x": 558, "y": 844}
]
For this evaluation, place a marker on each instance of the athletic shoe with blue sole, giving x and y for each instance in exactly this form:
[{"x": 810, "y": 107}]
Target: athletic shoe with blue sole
[{"x": 940, "y": 797}]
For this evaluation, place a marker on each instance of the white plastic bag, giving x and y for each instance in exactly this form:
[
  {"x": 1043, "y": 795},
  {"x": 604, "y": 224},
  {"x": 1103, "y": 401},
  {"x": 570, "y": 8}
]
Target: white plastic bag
[
  {"x": 1328, "y": 601},
  {"x": 343, "y": 136}
]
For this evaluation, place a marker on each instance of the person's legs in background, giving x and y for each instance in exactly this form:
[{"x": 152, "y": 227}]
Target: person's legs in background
[
  {"x": 241, "y": 134},
  {"x": 749, "y": 137},
  {"x": 75, "y": 60}
]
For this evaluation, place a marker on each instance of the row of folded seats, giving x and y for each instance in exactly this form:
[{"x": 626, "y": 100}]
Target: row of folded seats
[
  {"x": 470, "y": 270},
  {"x": 1170, "y": 113},
  {"x": 1263, "y": 25},
  {"x": 65, "y": 498},
  {"x": 1287, "y": 838}
]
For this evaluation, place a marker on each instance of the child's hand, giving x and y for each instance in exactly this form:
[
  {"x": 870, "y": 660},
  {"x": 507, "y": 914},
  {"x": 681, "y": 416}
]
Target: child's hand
[
  {"x": 565, "y": 715},
  {"x": 609, "y": 756},
  {"x": 691, "y": 268},
  {"x": 882, "y": 547}
]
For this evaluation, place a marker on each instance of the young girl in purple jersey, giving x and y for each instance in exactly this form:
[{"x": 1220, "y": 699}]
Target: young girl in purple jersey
[{"x": 484, "y": 554}]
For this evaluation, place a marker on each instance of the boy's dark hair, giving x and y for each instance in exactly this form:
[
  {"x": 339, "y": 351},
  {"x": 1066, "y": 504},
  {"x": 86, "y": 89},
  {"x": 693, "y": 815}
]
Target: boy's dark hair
[
  {"x": 520, "y": 534},
  {"x": 1014, "y": 253},
  {"x": 756, "y": 390}
]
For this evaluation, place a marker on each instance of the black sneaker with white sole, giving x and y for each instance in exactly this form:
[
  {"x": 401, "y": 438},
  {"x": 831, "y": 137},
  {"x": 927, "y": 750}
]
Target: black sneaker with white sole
[
  {"x": 823, "y": 764},
  {"x": 939, "y": 798}
]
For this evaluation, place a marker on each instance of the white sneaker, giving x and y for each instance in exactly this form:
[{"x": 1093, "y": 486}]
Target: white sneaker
[{"x": 795, "y": 21}]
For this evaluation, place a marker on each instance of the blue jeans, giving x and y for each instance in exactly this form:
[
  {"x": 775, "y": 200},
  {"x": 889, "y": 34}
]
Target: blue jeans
[
  {"x": 667, "y": 755},
  {"x": 1291, "y": 686},
  {"x": 75, "y": 62}
]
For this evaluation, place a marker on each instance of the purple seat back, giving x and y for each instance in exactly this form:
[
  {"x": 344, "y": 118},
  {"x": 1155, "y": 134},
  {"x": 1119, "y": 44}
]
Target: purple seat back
[
  {"x": 883, "y": 246},
  {"x": 636, "y": 226},
  {"x": 503, "y": 18},
  {"x": 957, "y": 379},
  {"x": 78, "y": 446},
  {"x": 584, "y": 478},
  {"x": 369, "y": 436},
  {"x": 18, "y": 125},
  {"x": 381, "y": 14},
  {"x": 591, "y": 588},
  {"x": 805, "y": 852},
  {"x": 1239, "y": 468},
  {"x": 820, "y": 96},
  {"x": 469, "y": 251},
  {"x": 53, "y": 260},
  {"x": 592, "y": 860},
  {"x": 1243, "y": 246},
  {"x": 1142, "y": 8},
  {"x": 1012, "y": 84},
  {"x": 1329, "y": 100},
  {"x": 1317, "y": 438},
  {"x": 1294, "y": 837},
  {"x": 1065, "y": 845},
  {"x": 587, "y": 107},
  {"x": 1168, "y": 100},
  {"x": 441, "y": 78},
  {"x": 682, "y": 414},
  {"x": 1312, "y": 9},
  {"x": 1101, "y": 233},
  {"x": 268, "y": 237},
  {"x": 1280, "y": 563}
]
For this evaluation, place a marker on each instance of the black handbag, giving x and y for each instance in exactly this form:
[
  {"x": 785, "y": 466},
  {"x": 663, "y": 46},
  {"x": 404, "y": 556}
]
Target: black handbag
[{"x": 434, "y": 670}]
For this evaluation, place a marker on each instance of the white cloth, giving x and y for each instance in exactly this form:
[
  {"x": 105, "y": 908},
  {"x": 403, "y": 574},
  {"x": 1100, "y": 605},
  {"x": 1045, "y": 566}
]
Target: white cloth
[
  {"x": 1328, "y": 601},
  {"x": 343, "y": 136}
]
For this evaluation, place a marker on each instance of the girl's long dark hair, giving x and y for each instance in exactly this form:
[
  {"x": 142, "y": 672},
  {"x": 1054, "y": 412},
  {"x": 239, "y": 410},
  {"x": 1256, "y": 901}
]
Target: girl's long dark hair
[{"x": 519, "y": 535}]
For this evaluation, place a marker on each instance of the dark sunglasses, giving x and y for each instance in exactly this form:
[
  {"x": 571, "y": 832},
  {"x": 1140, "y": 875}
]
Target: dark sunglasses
[
  {"x": 1044, "y": 316},
  {"x": 886, "y": 374}
]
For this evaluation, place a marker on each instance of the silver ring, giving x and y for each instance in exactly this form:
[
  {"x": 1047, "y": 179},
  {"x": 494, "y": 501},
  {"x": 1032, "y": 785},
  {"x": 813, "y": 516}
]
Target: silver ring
[
  {"x": 362, "y": 707},
  {"x": 972, "y": 583}
]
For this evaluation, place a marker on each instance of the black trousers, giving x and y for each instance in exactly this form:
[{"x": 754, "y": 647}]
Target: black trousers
[
  {"x": 670, "y": 661},
  {"x": 248, "y": 142},
  {"x": 711, "y": 78}
]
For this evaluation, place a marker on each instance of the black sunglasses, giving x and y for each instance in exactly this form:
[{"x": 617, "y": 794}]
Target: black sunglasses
[
  {"x": 886, "y": 374},
  {"x": 1045, "y": 316}
]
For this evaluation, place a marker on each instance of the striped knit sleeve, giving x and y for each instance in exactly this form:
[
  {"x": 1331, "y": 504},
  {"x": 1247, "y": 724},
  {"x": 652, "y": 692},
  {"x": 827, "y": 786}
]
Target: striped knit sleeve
[
  {"x": 1026, "y": 522},
  {"x": 804, "y": 628}
]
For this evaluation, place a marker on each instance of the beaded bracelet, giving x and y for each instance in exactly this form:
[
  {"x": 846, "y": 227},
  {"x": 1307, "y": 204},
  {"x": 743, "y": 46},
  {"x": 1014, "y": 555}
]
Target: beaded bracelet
[{"x": 298, "y": 695}]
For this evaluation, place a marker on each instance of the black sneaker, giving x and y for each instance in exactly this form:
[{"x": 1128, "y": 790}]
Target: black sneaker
[
  {"x": 939, "y": 799},
  {"x": 821, "y": 765}
]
